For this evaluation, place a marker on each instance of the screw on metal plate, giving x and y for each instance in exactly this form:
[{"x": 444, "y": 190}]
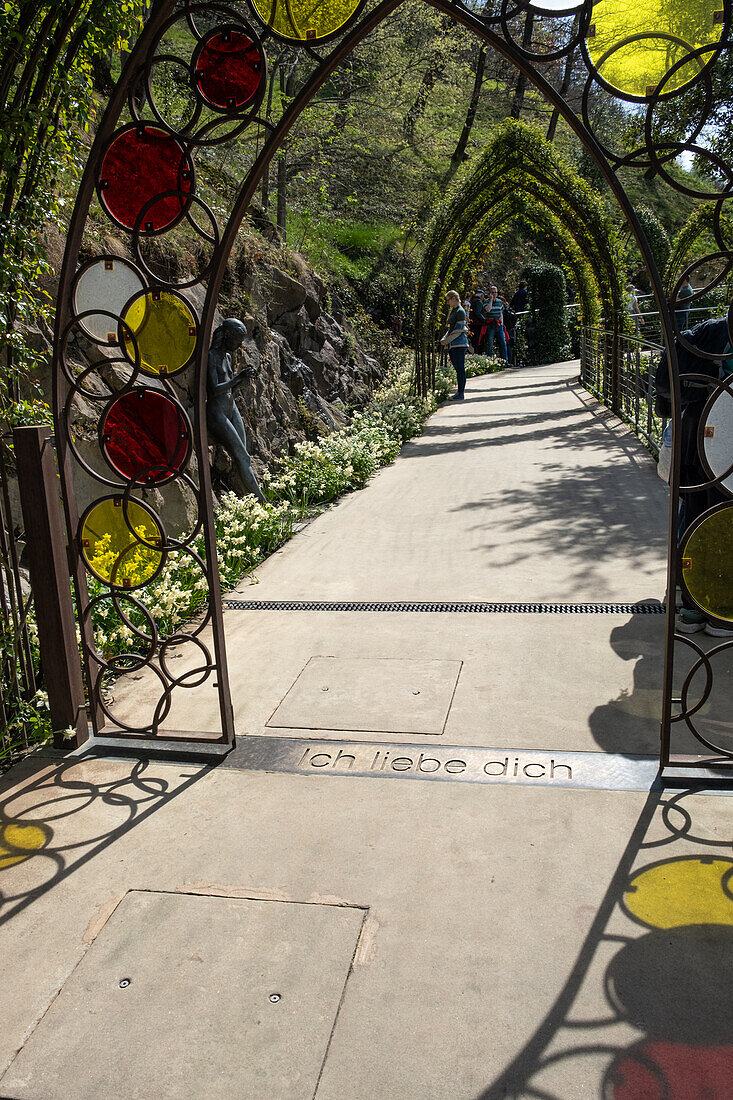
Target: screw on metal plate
[
  {"x": 324, "y": 689},
  {"x": 124, "y": 982},
  {"x": 416, "y": 693},
  {"x": 275, "y": 997}
]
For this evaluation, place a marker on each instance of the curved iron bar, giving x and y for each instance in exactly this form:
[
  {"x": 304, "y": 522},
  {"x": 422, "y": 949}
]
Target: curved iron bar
[{"x": 526, "y": 62}]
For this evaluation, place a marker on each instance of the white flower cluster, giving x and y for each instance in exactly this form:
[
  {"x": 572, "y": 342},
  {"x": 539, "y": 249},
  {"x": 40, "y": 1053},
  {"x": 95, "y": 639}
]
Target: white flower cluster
[{"x": 247, "y": 531}]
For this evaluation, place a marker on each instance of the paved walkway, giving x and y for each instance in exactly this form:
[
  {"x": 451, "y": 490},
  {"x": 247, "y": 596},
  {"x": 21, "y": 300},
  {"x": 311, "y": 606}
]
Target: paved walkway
[{"x": 314, "y": 917}]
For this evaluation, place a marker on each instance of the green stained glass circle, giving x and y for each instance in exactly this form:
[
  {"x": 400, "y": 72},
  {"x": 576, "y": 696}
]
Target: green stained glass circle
[
  {"x": 707, "y": 563},
  {"x": 120, "y": 542},
  {"x": 306, "y": 20},
  {"x": 164, "y": 328},
  {"x": 662, "y": 32}
]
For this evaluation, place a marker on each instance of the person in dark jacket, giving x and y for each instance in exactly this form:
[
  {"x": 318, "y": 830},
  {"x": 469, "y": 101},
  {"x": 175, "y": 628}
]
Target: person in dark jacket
[
  {"x": 477, "y": 320},
  {"x": 520, "y": 298},
  {"x": 456, "y": 340},
  {"x": 711, "y": 337}
]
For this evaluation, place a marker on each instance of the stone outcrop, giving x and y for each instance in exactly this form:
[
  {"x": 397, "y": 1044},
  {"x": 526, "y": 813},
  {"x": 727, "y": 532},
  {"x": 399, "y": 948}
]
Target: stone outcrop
[{"x": 308, "y": 370}]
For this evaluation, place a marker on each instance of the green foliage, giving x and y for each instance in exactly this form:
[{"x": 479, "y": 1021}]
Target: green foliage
[
  {"x": 656, "y": 235},
  {"x": 551, "y": 340},
  {"x": 27, "y": 716},
  {"x": 48, "y": 53},
  {"x": 246, "y": 532},
  {"x": 521, "y": 178},
  {"x": 696, "y": 239}
]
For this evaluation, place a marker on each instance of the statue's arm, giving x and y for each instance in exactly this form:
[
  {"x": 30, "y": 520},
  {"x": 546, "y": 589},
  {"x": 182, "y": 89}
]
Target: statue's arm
[{"x": 246, "y": 372}]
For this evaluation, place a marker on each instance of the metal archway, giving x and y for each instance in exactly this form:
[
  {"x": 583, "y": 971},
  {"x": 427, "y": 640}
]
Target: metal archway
[{"x": 115, "y": 308}]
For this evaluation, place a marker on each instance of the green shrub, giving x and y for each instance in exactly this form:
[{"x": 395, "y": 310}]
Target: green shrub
[{"x": 546, "y": 284}]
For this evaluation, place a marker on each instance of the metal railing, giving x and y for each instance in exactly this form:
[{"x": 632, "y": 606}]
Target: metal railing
[
  {"x": 38, "y": 646},
  {"x": 18, "y": 675},
  {"x": 619, "y": 370},
  {"x": 651, "y": 329}
]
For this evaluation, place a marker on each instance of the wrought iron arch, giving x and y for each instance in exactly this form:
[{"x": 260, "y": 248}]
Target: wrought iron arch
[{"x": 225, "y": 101}]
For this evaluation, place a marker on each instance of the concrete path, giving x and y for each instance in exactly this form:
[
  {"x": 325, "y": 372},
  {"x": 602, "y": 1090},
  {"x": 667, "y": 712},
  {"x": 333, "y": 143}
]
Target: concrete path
[
  {"x": 517, "y": 913},
  {"x": 526, "y": 491}
]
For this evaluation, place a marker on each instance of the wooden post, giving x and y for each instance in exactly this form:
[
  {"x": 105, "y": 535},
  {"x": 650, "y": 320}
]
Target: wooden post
[{"x": 40, "y": 499}]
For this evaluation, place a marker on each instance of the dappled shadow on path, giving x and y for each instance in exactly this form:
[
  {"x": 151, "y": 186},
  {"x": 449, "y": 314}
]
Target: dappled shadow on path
[
  {"x": 647, "y": 1010},
  {"x": 57, "y": 817},
  {"x": 576, "y": 518}
]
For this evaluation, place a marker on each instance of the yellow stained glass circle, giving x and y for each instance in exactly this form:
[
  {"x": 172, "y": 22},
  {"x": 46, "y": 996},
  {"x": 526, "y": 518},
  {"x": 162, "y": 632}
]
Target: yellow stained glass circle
[
  {"x": 18, "y": 842},
  {"x": 164, "y": 328},
  {"x": 695, "y": 890},
  {"x": 120, "y": 542},
  {"x": 669, "y": 31},
  {"x": 305, "y": 20},
  {"x": 707, "y": 564}
]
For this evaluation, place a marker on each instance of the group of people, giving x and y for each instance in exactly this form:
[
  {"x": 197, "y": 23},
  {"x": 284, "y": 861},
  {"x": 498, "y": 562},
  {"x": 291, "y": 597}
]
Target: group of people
[
  {"x": 488, "y": 319},
  {"x": 682, "y": 311}
]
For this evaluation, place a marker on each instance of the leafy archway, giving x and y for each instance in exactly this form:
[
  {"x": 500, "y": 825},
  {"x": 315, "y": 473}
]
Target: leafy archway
[
  {"x": 519, "y": 176},
  {"x": 537, "y": 223},
  {"x": 697, "y": 242}
]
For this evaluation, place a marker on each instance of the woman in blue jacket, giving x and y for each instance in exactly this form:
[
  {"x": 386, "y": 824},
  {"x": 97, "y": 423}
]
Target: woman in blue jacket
[{"x": 456, "y": 340}]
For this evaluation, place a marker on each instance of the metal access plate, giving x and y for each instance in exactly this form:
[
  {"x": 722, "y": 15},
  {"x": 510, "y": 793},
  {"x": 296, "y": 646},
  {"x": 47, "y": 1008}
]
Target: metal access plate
[
  {"x": 227, "y": 997},
  {"x": 373, "y": 695}
]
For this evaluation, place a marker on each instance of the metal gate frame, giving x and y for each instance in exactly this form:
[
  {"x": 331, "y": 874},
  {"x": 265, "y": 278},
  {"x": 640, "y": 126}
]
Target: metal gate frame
[{"x": 134, "y": 90}]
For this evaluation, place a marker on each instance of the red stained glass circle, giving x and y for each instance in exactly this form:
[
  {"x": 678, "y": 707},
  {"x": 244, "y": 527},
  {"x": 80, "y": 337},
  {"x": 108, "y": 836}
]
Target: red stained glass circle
[
  {"x": 673, "y": 1071},
  {"x": 141, "y": 163},
  {"x": 229, "y": 69},
  {"x": 146, "y": 437}
]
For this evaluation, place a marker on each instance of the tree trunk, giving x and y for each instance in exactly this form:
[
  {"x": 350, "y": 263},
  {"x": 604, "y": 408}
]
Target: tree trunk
[
  {"x": 282, "y": 192},
  {"x": 433, "y": 73},
  {"x": 565, "y": 86},
  {"x": 459, "y": 153},
  {"x": 520, "y": 89}
]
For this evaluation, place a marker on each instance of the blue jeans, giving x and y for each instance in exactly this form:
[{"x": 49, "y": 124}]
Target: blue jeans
[
  {"x": 458, "y": 359},
  {"x": 498, "y": 332}
]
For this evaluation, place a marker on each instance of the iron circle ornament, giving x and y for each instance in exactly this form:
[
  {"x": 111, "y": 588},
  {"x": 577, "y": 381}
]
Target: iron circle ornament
[
  {"x": 606, "y": 36},
  {"x": 143, "y": 160},
  {"x": 105, "y": 284},
  {"x": 145, "y": 729},
  {"x": 122, "y": 541},
  {"x": 147, "y": 90},
  {"x": 683, "y": 305},
  {"x": 307, "y": 22},
  {"x": 66, "y": 361},
  {"x": 706, "y": 554},
  {"x": 129, "y": 661},
  {"x": 192, "y": 677},
  {"x": 508, "y": 13},
  {"x": 229, "y": 69},
  {"x": 139, "y": 239},
  {"x": 689, "y": 714},
  {"x": 165, "y": 331},
  {"x": 146, "y": 437}
]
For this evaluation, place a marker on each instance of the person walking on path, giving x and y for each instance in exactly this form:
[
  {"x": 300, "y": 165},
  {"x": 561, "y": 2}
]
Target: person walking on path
[
  {"x": 495, "y": 316},
  {"x": 632, "y": 305},
  {"x": 682, "y": 313},
  {"x": 456, "y": 341}
]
